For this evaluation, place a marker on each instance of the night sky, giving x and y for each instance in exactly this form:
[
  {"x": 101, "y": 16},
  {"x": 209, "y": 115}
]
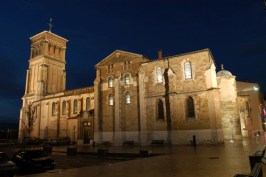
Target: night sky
[{"x": 234, "y": 30}]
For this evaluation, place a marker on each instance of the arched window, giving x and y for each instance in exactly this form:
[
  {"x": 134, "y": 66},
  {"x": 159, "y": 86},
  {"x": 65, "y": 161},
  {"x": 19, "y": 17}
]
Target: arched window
[
  {"x": 160, "y": 110},
  {"x": 188, "y": 71},
  {"x": 110, "y": 99},
  {"x": 127, "y": 79},
  {"x": 75, "y": 106},
  {"x": 110, "y": 82},
  {"x": 88, "y": 103},
  {"x": 64, "y": 107},
  {"x": 190, "y": 107},
  {"x": 53, "y": 109},
  {"x": 128, "y": 97},
  {"x": 159, "y": 75}
]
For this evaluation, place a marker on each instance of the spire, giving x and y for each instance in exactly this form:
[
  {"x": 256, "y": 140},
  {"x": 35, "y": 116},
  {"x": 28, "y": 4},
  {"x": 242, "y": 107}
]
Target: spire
[
  {"x": 222, "y": 66},
  {"x": 50, "y": 25}
]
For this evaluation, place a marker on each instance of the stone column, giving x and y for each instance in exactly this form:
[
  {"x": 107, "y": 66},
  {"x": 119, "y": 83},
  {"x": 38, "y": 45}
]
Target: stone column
[
  {"x": 143, "y": 134},
  {"x": 97, "y": 108},
  {"x": 27, "y": 82},
  {"x": 117, "y": 118}
]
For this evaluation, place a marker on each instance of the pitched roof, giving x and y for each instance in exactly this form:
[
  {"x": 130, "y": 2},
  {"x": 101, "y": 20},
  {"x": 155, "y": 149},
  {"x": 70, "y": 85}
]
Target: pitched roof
[{"x": 118, "y": 52}]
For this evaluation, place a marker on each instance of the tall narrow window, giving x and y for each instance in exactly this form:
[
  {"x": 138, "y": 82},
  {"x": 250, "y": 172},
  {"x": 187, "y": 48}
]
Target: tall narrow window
[
  {"x": 160, "y": 110},
  {"x": 159, "y": 74},
  {"x": 128, "y": 97},
  {"x": 88, "y": 103},
  {"x": 53, "y": 109},
  {"x": 64, "y": 108},
  {"x": 126, "y": 65},
  {"x": 110, "y": 99},
  {"x": 127, "y": 79},
  {"x": 190, "y": 107},
  {"x": 110, "y": 68},
  {"x": 75, "y": 106},
  {"x": 110, "y": 82},
  {"x": 188, "y": 71}
]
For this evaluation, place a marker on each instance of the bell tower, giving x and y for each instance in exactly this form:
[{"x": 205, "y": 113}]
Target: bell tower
[{"x": 46, "y": 73}]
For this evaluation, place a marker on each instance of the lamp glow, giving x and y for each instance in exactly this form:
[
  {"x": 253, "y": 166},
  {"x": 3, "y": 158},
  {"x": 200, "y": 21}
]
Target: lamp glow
[{"x": 255, "y": 88}]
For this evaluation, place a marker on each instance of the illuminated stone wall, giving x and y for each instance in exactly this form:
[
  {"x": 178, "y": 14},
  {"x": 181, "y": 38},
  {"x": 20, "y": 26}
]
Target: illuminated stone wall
[
  {"x": 158, "y": 106},
  {"x": 229, "y": 107},
  {"x": 138, "y": 120}
]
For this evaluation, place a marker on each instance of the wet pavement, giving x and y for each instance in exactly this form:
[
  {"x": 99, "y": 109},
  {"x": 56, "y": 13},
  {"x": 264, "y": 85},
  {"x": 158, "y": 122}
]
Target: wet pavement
[{"x": 224, "y": 160}]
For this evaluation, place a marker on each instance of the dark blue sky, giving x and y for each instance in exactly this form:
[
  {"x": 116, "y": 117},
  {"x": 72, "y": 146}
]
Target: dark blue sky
[{"x": 234, "y": 30}]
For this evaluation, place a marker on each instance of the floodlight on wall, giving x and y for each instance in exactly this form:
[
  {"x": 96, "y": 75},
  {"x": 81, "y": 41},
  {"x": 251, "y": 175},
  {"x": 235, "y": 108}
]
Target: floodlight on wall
[{"x": 255, "y": 88}]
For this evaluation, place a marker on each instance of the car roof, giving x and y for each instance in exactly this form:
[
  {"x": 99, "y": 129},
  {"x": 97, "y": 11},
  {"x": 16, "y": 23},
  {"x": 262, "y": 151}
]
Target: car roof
[{"x": 30, "y": 150}]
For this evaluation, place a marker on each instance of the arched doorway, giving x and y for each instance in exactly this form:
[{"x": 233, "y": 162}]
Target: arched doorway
[{"x": 87, "y": 132}]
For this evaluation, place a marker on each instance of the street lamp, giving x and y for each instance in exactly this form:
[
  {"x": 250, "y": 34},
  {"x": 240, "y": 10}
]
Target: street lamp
[{"x": 91, "y": 123}]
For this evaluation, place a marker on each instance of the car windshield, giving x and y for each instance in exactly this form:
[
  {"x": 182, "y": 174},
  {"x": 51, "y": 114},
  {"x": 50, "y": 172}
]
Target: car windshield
[{"x": 3, "y": 157}]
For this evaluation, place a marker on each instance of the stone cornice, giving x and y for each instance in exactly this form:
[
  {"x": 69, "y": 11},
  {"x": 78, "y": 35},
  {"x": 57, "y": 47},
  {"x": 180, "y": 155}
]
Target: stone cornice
[
  {"x": 48, "y": 33},
  {"x": 47, "y": 56}
]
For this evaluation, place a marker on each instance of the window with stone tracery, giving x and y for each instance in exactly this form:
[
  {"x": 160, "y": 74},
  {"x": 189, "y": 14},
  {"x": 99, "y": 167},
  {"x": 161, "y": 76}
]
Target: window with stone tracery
[
  {"x": 110, "y": 99},
  {"x": 159, "y": 74},
  {"x": 127, "y": 79},
  {"x": 128, "y": 97},
  {"x": 188, "y": 70},
  {"x": 110, "y": 82}
]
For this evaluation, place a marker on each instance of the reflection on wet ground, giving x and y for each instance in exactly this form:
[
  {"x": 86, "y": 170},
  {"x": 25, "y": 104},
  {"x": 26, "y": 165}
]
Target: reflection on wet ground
[{"x": 221, "y": 160}]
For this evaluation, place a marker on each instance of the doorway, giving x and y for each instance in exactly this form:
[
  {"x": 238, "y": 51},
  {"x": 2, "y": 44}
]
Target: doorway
[{"x": 87, "y": 135}]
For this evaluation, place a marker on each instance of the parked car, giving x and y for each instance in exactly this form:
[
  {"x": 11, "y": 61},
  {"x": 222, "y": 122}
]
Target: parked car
[
  {"x": 7, "y": 167},
  {"x": 33, "y": 159}
]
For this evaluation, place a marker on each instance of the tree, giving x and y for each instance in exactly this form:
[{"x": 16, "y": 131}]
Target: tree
[{"x": 30, "y": 117}]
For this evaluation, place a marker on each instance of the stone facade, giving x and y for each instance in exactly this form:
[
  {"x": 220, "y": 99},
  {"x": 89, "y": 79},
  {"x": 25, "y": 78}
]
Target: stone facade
[
  {"x": 250, "y": 109},
  {"x": 139, "y": 121},
  {"x": 174, "y": 99}
]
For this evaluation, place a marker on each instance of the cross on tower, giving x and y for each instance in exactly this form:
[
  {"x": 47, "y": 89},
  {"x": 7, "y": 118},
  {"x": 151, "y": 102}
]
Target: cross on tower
[
  {"x": 50, "y": 25},
  {"x": 222, "y": 66}
]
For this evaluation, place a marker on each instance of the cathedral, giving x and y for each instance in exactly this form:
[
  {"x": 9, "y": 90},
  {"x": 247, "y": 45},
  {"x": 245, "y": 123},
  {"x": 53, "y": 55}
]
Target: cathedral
[{"x": 172, "y": 99}]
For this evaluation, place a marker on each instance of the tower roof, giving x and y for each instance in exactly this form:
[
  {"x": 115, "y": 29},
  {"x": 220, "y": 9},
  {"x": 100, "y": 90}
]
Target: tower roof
[{"x": 47, "y": 33}]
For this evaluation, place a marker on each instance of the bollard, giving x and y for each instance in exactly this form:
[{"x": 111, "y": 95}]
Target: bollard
[
  {"x": 102, "y": 152},
  {"x": 144, "y": 153},
  {"x": 194, "y": 142},
  {"x": 71, "y": 151}
]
